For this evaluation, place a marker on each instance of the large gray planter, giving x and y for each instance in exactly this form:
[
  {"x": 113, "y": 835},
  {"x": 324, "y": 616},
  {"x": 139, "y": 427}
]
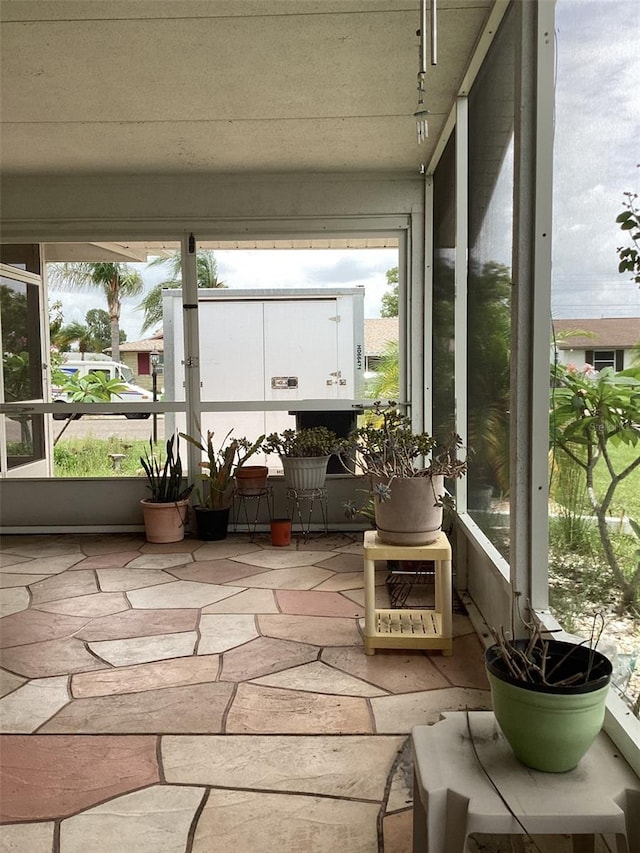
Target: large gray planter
[{"x": 411, "y": 516}]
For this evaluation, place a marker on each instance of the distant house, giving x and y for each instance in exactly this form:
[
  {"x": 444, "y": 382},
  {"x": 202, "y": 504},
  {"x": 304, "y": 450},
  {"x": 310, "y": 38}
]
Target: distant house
[
  {"x": 137, "y": 356},
  {"x": 601, "y": 343},
  {"x": 378, "y": 333}
]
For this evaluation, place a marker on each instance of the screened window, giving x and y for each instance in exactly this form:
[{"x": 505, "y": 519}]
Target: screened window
[
  {"x": 21, "y": 368},
  {"x": 491, "y": 184},
  {"x": 444, "y": 230},
  {"x": 599, "y": 359}
]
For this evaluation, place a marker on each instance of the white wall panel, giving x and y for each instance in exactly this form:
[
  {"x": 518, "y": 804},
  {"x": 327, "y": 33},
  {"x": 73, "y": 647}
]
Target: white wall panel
[{"x": 59, "y": 208}]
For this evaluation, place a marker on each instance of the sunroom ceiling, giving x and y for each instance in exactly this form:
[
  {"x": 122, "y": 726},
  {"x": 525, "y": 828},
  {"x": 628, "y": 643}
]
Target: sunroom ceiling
[
  {"x": 223, "y": 86},
  {"x": 142, "y": 251}
]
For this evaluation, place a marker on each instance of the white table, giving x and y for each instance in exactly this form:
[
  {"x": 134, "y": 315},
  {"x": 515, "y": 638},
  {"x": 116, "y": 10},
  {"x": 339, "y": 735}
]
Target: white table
[{"x": 454, "y": 796}]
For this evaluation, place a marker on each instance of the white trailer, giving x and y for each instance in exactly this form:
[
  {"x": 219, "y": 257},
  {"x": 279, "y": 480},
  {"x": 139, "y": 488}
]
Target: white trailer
[{"x": 271, "y": 345}]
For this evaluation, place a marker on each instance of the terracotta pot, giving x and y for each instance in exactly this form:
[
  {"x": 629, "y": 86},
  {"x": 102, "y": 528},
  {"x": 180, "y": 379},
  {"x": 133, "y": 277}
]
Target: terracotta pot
[
  {"x": 251, "y": 479},
  {"x": 281, "y": 531},
  {"x": 410, "y": 516},
  {"x": 165, "y": 522}
]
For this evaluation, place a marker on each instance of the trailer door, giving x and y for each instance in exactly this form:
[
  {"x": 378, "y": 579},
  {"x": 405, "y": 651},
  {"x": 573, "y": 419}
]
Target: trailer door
[{"x": 301, "y": 350}]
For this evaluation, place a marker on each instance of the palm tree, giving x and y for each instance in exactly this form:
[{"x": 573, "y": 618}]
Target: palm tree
[
  {"x": 73, "y": 333},
  {"x": 385, "y": 385},
  {"x": 90, "y": 337},
  {"x": 116, "y": 281},
  {"x": 206, "y": 272}
]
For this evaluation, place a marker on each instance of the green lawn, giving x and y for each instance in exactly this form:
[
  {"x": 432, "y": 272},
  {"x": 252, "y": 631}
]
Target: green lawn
[
  {"x": 90, "y": 457},
  {"x": 627, "y": 496},
  {"x": 626, "y": 499}
]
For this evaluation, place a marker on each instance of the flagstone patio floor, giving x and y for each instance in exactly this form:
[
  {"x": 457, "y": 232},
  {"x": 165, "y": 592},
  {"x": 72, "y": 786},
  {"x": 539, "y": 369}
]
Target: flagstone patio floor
[{"x": 209, "y": 696}]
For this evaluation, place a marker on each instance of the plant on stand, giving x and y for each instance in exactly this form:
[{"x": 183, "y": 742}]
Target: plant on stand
[
  {"x": 406, "y": 470},
  {"x": 215, "y": 495},
  {"x": 305, "y": 454},
  {"x": 167, "y": 510}
]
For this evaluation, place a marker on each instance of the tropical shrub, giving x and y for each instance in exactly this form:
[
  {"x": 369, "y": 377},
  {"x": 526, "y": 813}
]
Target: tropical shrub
[{"x": 592, "y": 413}]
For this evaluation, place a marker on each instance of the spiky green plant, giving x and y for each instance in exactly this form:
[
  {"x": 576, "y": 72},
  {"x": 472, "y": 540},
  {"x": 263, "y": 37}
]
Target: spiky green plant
[
  {"x": 219, "y": 466},
  {"x": 164, "y": 479}
]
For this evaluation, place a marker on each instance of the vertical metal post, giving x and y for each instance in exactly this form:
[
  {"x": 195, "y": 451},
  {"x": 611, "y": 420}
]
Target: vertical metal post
[
  {"x": 541, "y": 297},
  {"x": 191, "y": 347},
  {"x": 154, "y": 358}
]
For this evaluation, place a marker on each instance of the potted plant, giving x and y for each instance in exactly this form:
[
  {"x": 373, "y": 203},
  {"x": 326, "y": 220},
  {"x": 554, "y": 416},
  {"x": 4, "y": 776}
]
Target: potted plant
[
  {"x": 251, "y": 480},
  {"x": 167, "y": 510},
  {"x": 215, "y": 495},
  {"x": 548, "y": 696},
  {"x": 406, "y": 472},
  {"x": 305, "y": 454}
]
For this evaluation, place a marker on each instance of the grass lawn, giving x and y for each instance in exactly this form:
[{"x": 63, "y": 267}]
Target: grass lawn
[
  {"x": 627, "y": 496},
  {"x": 626, "y": 499},
  {"x": 581, "y": 581},
  {"x": 90, "y": 457}
]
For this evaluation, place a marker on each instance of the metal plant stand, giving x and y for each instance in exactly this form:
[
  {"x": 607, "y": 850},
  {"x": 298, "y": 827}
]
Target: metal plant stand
[
  {"x": 241, "y": 504},
  {"x": 300, "y": 506}
]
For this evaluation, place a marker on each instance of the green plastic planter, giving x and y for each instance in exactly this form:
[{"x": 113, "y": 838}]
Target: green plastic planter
[{"x": 551, "y": 728}]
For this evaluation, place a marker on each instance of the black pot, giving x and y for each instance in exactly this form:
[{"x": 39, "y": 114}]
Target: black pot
[{"x": 212, "y": 524}]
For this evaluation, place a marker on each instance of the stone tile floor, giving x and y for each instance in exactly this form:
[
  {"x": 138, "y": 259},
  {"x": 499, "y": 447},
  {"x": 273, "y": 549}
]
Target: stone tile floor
[{"x": 208, "y": 696}]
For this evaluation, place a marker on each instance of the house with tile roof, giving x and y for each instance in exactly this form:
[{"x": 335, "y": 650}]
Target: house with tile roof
[
  {"x": 137, "y": 356},
  {"x": 604, "y": 342},
  {"x": 379, "y": 332}
]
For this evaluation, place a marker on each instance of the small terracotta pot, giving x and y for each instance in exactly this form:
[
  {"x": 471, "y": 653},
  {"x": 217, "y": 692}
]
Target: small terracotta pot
[{"x": 281, "y": 531}]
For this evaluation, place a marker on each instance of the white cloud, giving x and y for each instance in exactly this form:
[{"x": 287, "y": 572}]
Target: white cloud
[
  {"x": 287, "y": 268},
  {"x": 262, "y": 268}
]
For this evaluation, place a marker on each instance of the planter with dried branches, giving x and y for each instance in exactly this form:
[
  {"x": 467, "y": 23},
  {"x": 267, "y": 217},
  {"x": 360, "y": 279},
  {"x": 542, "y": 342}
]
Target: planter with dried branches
[{"x": 548, "y": 696}]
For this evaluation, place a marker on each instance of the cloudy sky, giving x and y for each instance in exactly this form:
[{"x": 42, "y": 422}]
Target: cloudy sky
[
  {"x": 311, "y": 268},
  {"x": 597, "y": 154},
  {"x": 597, "y": 130},
  {"x": 268, "y": 268}
]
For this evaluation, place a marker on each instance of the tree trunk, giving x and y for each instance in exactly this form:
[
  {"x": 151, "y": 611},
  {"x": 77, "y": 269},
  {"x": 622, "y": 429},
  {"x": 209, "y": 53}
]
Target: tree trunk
[
  {"x": 115, "y": 339},
  {"x": 629, "y": 590},
  {"x": 113, "y": 302}
]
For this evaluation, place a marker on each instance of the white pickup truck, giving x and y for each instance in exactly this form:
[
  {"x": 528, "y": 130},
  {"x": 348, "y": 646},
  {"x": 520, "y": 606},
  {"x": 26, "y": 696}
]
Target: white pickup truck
[{"x": 113, "y": 370}]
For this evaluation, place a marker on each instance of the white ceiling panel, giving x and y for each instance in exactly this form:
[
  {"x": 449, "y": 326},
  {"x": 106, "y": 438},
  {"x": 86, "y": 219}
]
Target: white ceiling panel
[{"x": 223, "y": 85}]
